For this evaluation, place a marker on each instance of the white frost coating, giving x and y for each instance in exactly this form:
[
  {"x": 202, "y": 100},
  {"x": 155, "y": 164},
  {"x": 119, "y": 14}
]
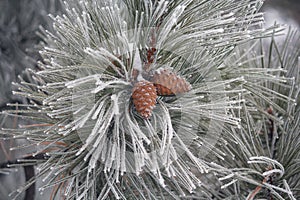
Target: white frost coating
[
  {"x": 267, "y": 173},
  {"x": 229, "y": 20},
  {"x": 169, "y": 24},
  {"x": 114, "y": 98},
  {"x": 103, "y": 85},
  {"x": 103, "y": 52},
  {"x": 263, "y": 159},
  {"x": 161, "y": 69},
  {"x": 226, "y": 177},
  {"x": 137, "y": 62},
  {"x": 160, "y": 9},
  {"x": 228, "y": 184},
  {"x": 80, "y": 81},
  {"x": 218, "y": 30},
  {"x": 229, "y": 15}
]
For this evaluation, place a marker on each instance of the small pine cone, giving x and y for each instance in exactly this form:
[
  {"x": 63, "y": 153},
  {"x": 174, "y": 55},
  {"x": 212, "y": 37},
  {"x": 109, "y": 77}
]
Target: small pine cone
[
  {"x": 167, "y": 83},
  {"x": 144, "y": 98},
  {"x": 151, "y": 55}
]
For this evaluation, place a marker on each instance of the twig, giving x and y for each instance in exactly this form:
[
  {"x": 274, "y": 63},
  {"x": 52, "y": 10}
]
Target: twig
[
  {"x": 258, "y": 188},
  {"x": 4, "y": 149},
  {"x": 272, "y": 132},
  {"x": 29, "y": 172}
]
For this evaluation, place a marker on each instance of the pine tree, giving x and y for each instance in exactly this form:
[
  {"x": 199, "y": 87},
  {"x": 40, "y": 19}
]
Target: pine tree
[
  {"x": 223, "y": 124},
  {"x": 19, "y": 49}
]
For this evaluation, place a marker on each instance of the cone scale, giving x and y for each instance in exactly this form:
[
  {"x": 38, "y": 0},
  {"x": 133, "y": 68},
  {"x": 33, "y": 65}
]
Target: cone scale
[
  {"x": 144, "y": 98},
  {"x": 168, "y": 83}
]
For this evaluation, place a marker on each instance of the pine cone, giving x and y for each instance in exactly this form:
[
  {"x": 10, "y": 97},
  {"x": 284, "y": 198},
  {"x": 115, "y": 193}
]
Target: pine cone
[
  {"x": 168, "y": 83},
  {"x": 144, "y": 98}
]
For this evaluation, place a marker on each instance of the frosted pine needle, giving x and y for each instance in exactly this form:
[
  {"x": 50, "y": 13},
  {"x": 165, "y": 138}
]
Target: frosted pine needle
[{"x": 97, "y": 146}]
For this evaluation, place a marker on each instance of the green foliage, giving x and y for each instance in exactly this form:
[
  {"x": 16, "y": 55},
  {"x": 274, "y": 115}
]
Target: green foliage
[
  {"x": 225, "y": 138},
  {"x": 269, "y": 137}
]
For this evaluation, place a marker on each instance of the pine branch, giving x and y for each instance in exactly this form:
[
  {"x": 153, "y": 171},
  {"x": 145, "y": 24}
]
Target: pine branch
[
  {"x": 265, "y": 127},
  {"x": 100, "y": 144},
  {"x": 28, "y": 171}
]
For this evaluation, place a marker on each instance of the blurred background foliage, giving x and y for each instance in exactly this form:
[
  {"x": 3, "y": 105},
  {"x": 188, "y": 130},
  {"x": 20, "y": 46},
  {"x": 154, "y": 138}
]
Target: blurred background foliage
[{"x": 20, "y": 21}]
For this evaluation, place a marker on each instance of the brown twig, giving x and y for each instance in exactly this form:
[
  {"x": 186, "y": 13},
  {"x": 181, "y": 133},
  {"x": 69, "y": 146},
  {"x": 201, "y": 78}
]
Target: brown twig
[
  {"x": 151, "y": 51},
  {"x": 258, "y": 188},
  {"x": 4, "y": 149}
]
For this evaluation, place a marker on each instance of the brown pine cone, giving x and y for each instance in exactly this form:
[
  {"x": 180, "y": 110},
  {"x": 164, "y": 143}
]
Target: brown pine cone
[
  {"x": 144, "y": 98},
  {"x": 168, "y": 83}
]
